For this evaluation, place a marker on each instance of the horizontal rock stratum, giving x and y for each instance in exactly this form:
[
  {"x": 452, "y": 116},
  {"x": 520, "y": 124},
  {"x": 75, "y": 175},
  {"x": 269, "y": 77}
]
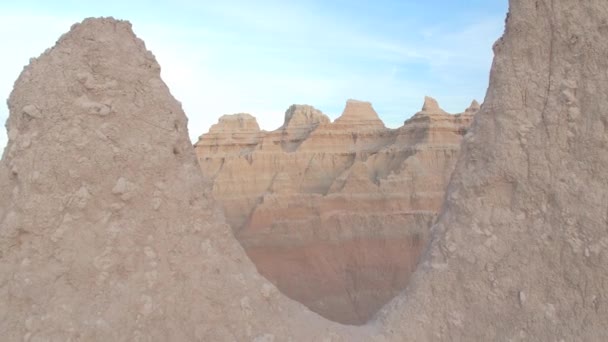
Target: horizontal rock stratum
[
  {"x": 108, "y": 231},
  {"x": 334, "y": 214}
]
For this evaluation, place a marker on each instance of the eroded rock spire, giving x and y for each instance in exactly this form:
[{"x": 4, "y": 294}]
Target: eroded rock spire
[{"x": 431, "y": 106}]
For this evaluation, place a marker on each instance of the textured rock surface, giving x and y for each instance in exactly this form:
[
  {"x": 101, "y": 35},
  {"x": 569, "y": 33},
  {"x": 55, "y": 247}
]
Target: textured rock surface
[
  {"x": 107, "y": 231},
  {"x": 338, "y": 219},
  {"x": 519, "y": 252}
]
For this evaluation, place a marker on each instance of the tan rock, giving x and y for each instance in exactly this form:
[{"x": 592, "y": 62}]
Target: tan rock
[
  {"x": 84, "y": 254},
  {"x": 473, "y": 108},
  {"x": 360, "y": 115},
  {"x": 431, "y": 107},
  {"x": 300, "y": 121},
  {"x": 235, "y": 132},
  {"x": 338, "y": 220},
  {"x": 528, "y": 195}
]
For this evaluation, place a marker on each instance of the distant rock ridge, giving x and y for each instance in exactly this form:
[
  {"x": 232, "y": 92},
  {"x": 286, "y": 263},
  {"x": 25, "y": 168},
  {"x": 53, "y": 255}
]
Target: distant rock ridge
[
  {"x": 431, "y": 107},
  {"x": 473, "y": 108},
  {"x": 300, "y": 121},
  {"x": 359, "y": 115},
  {"x": 240, "y": 121},
  {"x": 237, "y": 132},
  {"x": 351, "y": 191},
  {"x": 304, "y": 115}
]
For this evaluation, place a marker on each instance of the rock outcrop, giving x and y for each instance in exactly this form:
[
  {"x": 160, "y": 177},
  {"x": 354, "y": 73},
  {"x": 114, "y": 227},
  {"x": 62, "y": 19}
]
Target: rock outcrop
[
  {"x": 300, "y": 121},
  {"x": 89, "y": 253},
  {"x": 338, "y": 219},
  {"x": 107, "y": 229},
  {"x": 359, "y": 115},
  {"x": 431, "y": 107},
  {"x": 519, "y": 251},
  {"x": 238, "y": 132}
]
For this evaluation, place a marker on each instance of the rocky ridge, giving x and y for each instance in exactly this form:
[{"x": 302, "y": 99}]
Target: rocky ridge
[{"x": 338, "y": 219}]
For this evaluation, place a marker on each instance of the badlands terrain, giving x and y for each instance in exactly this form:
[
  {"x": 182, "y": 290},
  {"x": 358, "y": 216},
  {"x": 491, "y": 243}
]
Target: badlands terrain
[
  {"x": 109, "y": 231},
  {"x": 335, "y": 214}
]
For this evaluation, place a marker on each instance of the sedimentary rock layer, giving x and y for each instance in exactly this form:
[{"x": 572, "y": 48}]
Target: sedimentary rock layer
[{"x": 334, "y": 214}]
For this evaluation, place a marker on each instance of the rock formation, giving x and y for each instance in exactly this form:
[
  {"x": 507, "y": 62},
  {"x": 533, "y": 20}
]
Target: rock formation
[
  {"x": 334, "y": 214},
  {"x": 107, "y": 229},
  {"x": 358, "y": 116},
  {"x": 300, "y": 121},
  {"x": 431, "y": 107},
  {"x": 519, "y": 251}
]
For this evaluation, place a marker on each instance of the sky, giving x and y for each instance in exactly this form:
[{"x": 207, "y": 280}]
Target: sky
[{"x": 259, "y": 57}]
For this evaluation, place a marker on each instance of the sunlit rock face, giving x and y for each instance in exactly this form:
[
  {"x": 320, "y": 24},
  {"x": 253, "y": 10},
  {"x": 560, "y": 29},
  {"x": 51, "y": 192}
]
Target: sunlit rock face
[{"x": 335, "y": 214}]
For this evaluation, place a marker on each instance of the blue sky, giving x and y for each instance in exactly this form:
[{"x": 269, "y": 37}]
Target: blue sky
[{"x": 259, "y": 57}]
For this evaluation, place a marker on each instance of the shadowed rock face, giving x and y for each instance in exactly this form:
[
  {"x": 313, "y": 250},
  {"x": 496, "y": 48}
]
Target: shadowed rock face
[
  {"x": 338, "y": 219},
  {"x": 518, "y": 253}
]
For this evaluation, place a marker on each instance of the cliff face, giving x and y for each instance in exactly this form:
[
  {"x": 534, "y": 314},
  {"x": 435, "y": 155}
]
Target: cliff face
[{"x": 335, "y": 214}]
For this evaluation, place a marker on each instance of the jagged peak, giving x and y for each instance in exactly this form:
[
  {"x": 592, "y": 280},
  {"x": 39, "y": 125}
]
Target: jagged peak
[
  {"x": 236, "y": 122},
  {"x": 473, "y": 108},
  {"x": 304, "y": 115},
  {"x": 362, "y": 112},
  {"x": 431, "y": 106},
  {"x": 103, "y": 26}
]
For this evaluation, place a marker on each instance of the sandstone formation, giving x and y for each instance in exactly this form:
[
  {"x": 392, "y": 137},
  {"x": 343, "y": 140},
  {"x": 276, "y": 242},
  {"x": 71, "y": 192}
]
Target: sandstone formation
[
  {"x": 519, "y": 251},
  {"x": 334, "y": 214}
]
